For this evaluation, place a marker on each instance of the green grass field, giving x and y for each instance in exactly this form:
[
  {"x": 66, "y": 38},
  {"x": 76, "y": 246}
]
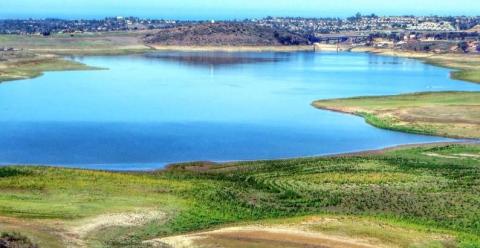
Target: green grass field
[
  {"x": 435, "y": 189},
  {"x": 450, "y": 114},
  {"x": 467, "y": 75}
]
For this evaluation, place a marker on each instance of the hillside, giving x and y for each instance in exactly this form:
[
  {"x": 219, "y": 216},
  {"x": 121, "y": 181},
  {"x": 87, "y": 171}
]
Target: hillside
[
  {"x": 411, "y": 197},
  {"x": 224, "y": 34},
  {"x": 475, "y": 28}
]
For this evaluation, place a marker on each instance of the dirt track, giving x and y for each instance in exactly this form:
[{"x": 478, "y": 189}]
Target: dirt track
[{"x": 258, "y": 236}]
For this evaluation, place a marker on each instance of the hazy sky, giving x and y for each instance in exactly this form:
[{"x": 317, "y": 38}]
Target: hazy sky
[{"x": 229, "y": 9}]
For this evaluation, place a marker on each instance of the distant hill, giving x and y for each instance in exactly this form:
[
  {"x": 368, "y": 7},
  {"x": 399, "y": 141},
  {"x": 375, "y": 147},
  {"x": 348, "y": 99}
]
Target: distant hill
[{"x": 224, "y": 34}]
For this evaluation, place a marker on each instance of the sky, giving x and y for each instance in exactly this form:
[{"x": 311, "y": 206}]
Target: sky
[{"x": 230, "y": 9}]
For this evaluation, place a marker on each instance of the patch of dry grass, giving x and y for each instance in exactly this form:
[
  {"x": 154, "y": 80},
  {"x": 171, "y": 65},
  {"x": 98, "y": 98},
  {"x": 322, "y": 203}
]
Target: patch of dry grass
[{"x": 111, "y": 43}]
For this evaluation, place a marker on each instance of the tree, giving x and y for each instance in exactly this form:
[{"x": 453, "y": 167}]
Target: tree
[
  {"x": 358, "y": 16},
  {"x": 463, "y": 45}
]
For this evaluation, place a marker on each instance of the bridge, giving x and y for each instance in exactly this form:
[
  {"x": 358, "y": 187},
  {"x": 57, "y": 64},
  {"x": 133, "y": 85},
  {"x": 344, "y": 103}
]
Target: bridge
[{"x": 342, "y": 38}]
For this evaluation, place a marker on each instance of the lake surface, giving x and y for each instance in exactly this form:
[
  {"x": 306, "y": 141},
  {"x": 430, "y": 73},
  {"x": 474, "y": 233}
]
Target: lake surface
[{"x": 150, "y": 110}]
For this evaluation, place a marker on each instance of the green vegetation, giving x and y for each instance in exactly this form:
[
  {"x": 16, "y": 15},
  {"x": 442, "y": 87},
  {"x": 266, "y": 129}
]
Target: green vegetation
[
  {"x": 450, "y": 114},
  {"x": 30, "y": 68},
  {"x": 467, "y": 75},
  {"x": 436, "y": 187},
  {"x": 35, "y": 52},
  {"x": 467, "y": 66}
]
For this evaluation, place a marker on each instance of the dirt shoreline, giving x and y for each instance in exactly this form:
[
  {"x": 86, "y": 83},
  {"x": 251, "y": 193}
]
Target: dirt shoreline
[
  {"x": 205, "y": 164},
  {"x": 232, "y": 48}
]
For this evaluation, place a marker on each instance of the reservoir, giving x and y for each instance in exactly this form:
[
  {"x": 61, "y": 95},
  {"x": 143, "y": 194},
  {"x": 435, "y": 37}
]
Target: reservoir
[{"x": 146, "y": 111}]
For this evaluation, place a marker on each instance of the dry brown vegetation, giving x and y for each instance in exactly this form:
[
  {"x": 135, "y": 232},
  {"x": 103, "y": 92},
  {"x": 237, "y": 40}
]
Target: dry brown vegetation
[
  {"x": 224, "y": 34},
  {"x": 78, "y": 44}
]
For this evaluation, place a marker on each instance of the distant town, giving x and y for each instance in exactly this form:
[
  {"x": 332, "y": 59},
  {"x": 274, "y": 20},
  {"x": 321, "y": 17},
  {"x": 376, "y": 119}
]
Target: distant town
[
  {"x": 425, "y": 33},
  {"x": 314, "y": 26}
]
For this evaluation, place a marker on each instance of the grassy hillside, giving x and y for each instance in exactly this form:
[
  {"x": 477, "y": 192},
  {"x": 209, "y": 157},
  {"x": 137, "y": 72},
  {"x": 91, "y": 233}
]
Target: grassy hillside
[
  {"x": 224, "y": 34},
  {"x": 450, "y": 114},
  {"x": 415, "y": 188}
]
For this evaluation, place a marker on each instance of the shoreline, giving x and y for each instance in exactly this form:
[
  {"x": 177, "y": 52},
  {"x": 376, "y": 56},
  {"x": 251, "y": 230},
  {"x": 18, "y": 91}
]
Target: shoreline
[
  {"x": 460, "y": 70},
  {"x": 392, "y": 117},
  {"x": 33, "y": 67},
  {"x": 381, "y": 52},
  {"x": 379, "y": 151},
  {"x": 232, "y": 48},
  {"x": 92, "y": 52},
  {"x": 454, "y": 61},
  {"x": 169, "y": 166}
]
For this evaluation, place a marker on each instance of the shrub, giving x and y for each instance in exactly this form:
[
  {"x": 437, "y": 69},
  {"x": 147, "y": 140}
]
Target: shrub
[{"x": 15, "y": 240}]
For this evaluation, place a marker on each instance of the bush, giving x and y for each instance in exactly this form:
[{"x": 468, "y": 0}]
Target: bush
[
  {"x": 463, "y": 46},
  {"x": 15, "y": 240}
]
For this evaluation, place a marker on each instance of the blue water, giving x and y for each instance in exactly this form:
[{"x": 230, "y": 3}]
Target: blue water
[{"x": 150, "y": 110}]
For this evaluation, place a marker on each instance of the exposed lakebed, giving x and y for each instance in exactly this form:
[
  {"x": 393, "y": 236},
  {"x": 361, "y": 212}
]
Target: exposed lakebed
[{"x": 150, "y": 110}]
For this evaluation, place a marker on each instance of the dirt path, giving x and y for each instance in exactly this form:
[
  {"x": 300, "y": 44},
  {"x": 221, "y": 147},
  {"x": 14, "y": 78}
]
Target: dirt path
[
  {"x": 60, "y": 234},
  {"x": 39, "y": 232},
  {"x": 136, "y": 218},
  {"x": 75, "y": 234},
  {"x": 453, "y": 156},
  {"x": 260, "y": 236}
]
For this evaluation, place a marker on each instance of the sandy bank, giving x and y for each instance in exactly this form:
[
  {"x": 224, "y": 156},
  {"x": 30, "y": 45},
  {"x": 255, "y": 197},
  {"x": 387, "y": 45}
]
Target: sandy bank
[{"x": 232, "y": 48}]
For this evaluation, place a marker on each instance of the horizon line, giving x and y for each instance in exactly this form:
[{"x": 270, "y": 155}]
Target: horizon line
[{"x": 226, "y": 19}]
